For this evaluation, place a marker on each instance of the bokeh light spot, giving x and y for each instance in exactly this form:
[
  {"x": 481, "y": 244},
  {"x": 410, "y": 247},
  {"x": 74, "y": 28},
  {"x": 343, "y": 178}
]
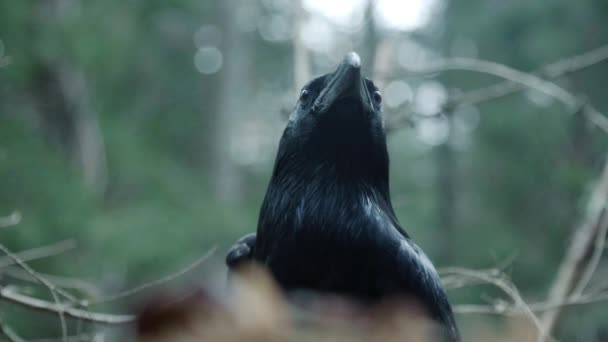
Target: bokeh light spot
[
  {"x": 208, "y": 60},
  {"x": 397, "y": 93},
  {"x": 433, "y": 131},
  {"x": 275, "y": 28},
  {"x": 430, "y": 98},
  {"x": 403, "y": 15}
]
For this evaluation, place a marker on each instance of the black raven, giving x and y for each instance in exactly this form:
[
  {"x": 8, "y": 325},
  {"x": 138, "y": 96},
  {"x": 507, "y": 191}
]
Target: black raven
[{"x": 327, "y": 223}]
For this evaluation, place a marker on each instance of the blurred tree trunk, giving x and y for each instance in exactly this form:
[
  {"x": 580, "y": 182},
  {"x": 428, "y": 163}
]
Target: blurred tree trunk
[
  {"x": 68, "y": 119},
  {"x": 378, "y": 50},
  {"x": 447, "y": 193},
  {"x": 89, "y": 144},
  {"x": 234, "y": 81},
  {"x": 582, "y": 256},
  {"x": 369, "y": 41},
  {"x": 447, "y": 172},
  {"x": 301, "y": 56}
]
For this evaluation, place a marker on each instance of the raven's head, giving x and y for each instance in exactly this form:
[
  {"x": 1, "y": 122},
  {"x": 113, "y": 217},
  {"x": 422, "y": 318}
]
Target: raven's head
[{"x": 337, "y": 125}]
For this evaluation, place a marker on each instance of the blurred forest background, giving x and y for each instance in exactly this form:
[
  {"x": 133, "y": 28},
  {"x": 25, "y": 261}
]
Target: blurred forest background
[{"x": 136, "y": 135}]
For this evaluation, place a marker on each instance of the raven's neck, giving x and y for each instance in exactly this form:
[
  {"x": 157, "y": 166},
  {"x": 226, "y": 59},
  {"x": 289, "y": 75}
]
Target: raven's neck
[
  {"x": 348, "y": 181},
  {"x": 321, "y": 195}
]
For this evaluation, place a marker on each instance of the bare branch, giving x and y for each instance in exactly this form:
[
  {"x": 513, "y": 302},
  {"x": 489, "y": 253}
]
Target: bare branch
[
  {"x": 596, "y": 254},
  {"x": 596, "y": 117},
  {"x": 51, "y": 287},
  {"x": 42, "y": 305},
  {"x": 157, "y": 282},
  {"x": 502, "y": 71},
  {"x": 501, "y": 309},
  {"x": 85, "y": 287},
  {"x": 61, "y": 314},
  {"x": 530, "y": 80},
  {"x": 553, "y": 70},
  {"x": 583, "y": 253},
  {"x": 499, "y": 280},
  {"x": 40, "y": 252},
  {"x": 55, "y": 291},
  {"x": 576, "y": 63},
  {"x": 72, "y": 338},
  {"x": 61, "y": 309}
]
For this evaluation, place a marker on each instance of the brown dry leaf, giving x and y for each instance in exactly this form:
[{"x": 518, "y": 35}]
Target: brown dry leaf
[
  {"x": 259, "y": 309},
  {"x": 256, "y": 310}
]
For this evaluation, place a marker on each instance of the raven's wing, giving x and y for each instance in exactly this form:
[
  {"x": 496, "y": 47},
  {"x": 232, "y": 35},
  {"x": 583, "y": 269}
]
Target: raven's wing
[
  {"x": 418, "y": 276},
  {"x": 241, "y": 251}
]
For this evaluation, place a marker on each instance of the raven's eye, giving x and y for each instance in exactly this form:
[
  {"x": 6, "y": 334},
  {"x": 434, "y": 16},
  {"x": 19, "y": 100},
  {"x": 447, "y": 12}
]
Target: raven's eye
[
  {"x": 304, "y": 95},
  {"x": 377, "y": 97}
]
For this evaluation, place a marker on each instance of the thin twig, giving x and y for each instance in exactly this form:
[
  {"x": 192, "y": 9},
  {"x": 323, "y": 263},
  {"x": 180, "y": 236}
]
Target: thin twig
[
  {"x": 499, "y": 280},
  {"x": 72, "y": 338},
  {"x": 560, "y": 68},
  {"x": 157, "y": 282},
  {"x": 580, "y": 260},
  {"x": 504, "y": 72},
  {"x": 535, "y": 307},
  {"x": 12, "y": 296},
  {"x": 36, "y": 275},
  {"x": 40, "y": 252},
  {"x": 83, "y": 286},
  {"x": 9, "y": 333},
  {"x": 452, "y": 282},
  {"x": 8, "y": 221},
  {"x": 510, "y": 86},
  {"x": 54, "y": 290},
  {"x": 594, "y": 260},
  {"x": 576, "y": 63},
  {"x": 61, "y": 314}
]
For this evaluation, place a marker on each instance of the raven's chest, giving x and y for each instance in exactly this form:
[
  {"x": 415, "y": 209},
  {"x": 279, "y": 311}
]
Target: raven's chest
[{"x": 335, "y": 247}]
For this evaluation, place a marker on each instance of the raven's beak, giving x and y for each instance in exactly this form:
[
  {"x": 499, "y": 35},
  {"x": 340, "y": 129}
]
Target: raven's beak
[{"x": 345, "y": 82}]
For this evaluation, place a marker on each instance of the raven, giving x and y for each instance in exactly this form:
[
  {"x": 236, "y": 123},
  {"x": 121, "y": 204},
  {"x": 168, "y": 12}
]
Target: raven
[{"x": 327, "y": 223}]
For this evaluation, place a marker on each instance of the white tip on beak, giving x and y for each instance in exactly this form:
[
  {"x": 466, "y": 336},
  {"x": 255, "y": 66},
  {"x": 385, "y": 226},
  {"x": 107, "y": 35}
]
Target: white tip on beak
[{"x": 353, "y": 60}]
